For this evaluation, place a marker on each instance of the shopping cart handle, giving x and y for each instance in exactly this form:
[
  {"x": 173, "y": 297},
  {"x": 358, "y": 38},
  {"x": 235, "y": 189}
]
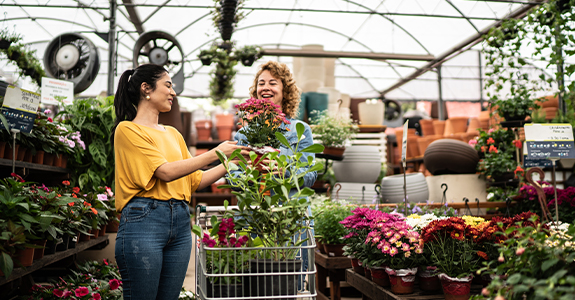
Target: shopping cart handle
[{"x": 201, "y": 207}]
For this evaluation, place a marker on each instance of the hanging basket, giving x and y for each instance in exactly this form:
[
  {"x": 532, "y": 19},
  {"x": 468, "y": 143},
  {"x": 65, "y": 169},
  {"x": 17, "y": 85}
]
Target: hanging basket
[
  {"x": 5, "y": 44},
  {"x": 248, "y": 62}
]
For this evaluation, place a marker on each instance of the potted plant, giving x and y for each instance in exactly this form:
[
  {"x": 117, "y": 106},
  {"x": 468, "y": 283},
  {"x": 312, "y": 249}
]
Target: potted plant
[
  {"x": 223, "y": 254},
  {"x": 333, "y": 132},
  {"x": 328, "y": 228},
  {"x": 247, "y": 55},
  {"x": 452, "y": 247},
  {"x": 268, "y": 210},
  {"x": 498, "y": 166},
  {"x": 517, "y": 107}
]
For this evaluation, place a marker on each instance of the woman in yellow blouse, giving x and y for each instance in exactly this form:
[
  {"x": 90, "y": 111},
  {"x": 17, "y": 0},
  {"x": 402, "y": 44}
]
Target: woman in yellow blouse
[{"x": 155, "y": 178}]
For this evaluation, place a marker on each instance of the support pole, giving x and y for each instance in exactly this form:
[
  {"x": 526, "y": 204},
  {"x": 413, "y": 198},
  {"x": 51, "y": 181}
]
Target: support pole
[
  {"x": 560, "y": 72},
  {"x": 112, "y": 47},
  {"x": 440, "y": 112},
  {"x": 480, "y": 79}
]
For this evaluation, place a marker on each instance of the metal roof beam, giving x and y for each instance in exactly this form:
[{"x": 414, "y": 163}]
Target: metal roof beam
[
  {"x": 468, "y": 43},
  {"x": 134, "y": 17},
  {"x": 346, "y": 54}
]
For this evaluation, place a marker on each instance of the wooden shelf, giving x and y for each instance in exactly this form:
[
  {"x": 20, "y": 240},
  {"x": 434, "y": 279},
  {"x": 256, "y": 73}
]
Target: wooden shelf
[
  {"x": 213, "y": 199},
  {"x": 334, "y": 267},
  {"x": 52, "y": 258},
  {"x": 32, "y": 166}
]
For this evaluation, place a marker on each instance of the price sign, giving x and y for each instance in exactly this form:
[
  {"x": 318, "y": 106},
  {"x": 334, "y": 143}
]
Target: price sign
[
  {"x": 546, "y": 141},
  {"x": 54, "y": 90},
  {"x": 20, "y": 107}
]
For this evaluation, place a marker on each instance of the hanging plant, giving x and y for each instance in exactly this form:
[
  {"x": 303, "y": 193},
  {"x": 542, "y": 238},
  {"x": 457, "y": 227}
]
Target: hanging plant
[
  {"x": 24, "y": 59},
  {"x": 7, "y": 38},
  {"x": 222, "y": 82},
  {"x": 248, "y": 54},
  {"x": 225, "y": 16}
]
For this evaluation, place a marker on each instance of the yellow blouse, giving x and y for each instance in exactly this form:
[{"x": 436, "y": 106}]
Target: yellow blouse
[{"x": 139, "y": 151}]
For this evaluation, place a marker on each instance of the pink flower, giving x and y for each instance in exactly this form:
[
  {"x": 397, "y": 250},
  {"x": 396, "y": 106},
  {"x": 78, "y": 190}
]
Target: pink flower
[
  {"x": 50, "y": 120},
  {"x": 520, "y": 251},
  {"x": 67, "y": 294},
  {"x": 96, "y": 296},
  {"x": 102, "y": 197},
  {"x": 58, "y": 293},
  {"x": 47, "y": 111},
  {"x": 472, "y": 142},
  {"x": 114, "y": 284},
  {"x": 82, "y": 145},
  {"x": 82, "y": 291},
  {"x": 71, "y": 144},
  {"x": 485, "y": 292},
  {"x": 109, "y": 191},
  {"x": 491, "y": 130}
]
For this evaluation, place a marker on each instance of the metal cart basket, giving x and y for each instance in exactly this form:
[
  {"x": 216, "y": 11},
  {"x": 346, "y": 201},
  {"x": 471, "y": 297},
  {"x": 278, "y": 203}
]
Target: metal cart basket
[{"x": 248, "y": 272}]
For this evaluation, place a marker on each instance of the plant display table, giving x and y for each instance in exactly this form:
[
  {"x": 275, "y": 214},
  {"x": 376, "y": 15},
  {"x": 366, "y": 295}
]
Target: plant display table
[
  {"x": 334, "y": 267},
  {"x": 370, "y": 290}
]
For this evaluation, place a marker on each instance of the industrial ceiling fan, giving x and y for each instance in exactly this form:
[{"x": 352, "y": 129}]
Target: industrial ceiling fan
[
  {"x": 72, "y": 57},
  {"x": 161, "y": 48}
]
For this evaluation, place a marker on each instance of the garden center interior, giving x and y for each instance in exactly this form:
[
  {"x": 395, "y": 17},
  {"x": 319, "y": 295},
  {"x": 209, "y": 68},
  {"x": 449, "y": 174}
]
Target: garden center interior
[{"x": 447, "y": 114}]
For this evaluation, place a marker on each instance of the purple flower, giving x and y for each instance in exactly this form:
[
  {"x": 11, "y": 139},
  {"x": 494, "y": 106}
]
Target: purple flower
[
  {"x": 102, "y": 197},
  {"x": 71, "y": 144},
  {"x": 82, "y": 145},
  {"x": 47, "y": 111}
]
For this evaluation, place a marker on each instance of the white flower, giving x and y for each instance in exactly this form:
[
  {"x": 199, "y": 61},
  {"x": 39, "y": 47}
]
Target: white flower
[{"x": 490, "y": 195}]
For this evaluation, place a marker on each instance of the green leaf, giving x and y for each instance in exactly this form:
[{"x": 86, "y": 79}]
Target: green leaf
[
  {"x": 300, "y": 128},
  {"x": 315, "y": 148},
  {"x": 514, "y": 279},
  {"x": 6, "y": 264},
  {"x": 282, "y": 139},
  {"x": 548, "y": 264},
  {"x": 98, "y": 151}
]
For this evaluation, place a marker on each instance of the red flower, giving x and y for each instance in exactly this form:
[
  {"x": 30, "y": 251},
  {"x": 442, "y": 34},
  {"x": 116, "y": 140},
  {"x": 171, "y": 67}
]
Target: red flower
[
  {"x": 82, "y": 291},
  {"x": 50, "y": 120},
  {"x": 519, "y": 169},
  {"x": 105, "y": 262},
  {"x": 490, "y": 141},
  {"x": 114, "y": 284},
  {"x": 96, "y": 296},
  {"x": 18, "y": 178},
  {"x": 66, "y": 182},
  {"x": 76, "y": 190},
  {"x": 517, "y": 143},
  {"x": 483, "y": 148},
  {"x": 58, "y": 293},
  {"x": 492, "y": 149},
  {"x": 483, "y": 255},
  {"x": 71, "y": 204}
]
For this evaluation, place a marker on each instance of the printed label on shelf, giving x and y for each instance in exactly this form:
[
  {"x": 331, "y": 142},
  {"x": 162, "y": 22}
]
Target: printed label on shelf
[
  {"x": 20, "y": 107},
  {"x": 545, "y": 141}
]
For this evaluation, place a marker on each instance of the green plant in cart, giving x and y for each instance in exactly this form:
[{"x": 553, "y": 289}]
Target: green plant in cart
[
  {"x": 274, "y": 206},
  {"x": 327, "y": 224}
]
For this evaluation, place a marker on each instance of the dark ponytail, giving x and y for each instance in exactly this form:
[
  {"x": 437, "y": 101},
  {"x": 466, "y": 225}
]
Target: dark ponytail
[{"x": 128, "y": 94}]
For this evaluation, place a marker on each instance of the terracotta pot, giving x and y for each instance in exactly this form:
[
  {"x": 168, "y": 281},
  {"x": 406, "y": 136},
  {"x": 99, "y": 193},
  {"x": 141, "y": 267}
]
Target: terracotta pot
[
  {"x": 2, "y": 148},
  {"x": 21, "y": 153},
  {"x": 335, "y": 151},
  {"x": 225, "y": 120},
  {"x": 320, "y": 246},
  {"x": 39, "y": 252},
  {"x": 367, "y": 272},
  {"x": 455, "y": 290},
  {"x": 439, "y": 127},
  {"x": 428, "y": 282},
  {"x": 380, "y": 277},
  {"x": 112, "y": 226},
  {"x": 39, "y": 157},
  {"x": 84, "y": 237},
  {"x": 102, "y": 231},
  {"x": 204, "y": 129},
  {"x": 357, "y": 268},
  {"x": 427, "y": 127},
  {"x": 24, "y": 257},
  {"x": 334, "y": 250},
  {"x": 28, "y": 155},
  {"x": 61, "y": 160},
  {"x": 456, "y": 125},
  {"x": 401, "y": 284},
  {"x": 48, "y": 159},
  {"x": 94, "y": 233},
  {"x": 224, "y": 132},
  {"x": 8, "y": 152}
]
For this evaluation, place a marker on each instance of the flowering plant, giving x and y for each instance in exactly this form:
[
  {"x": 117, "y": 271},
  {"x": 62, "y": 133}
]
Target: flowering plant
[
  {"x": 79, "y": 286},
  {"x": 527, "y": 200},
  {"x": 264, "y": 119},
  {"x": 221, "y": 257},
  {"x": 451, "y": 245},
  {"x": 186, "y": 295},
  {"x": 400, "y": 244},
  {"x": 496, "y": 147},
  {"x": 333, "y": 131}
]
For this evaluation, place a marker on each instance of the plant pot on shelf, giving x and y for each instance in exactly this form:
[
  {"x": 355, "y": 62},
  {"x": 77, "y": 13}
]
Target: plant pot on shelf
[
  {"x": 334, "y": 250},
  {"x": 84, "y": 237},
  {"x": 48, "y": 159},
  {"x": 24, "y": 257},
  {"x": 402, "y": 281},
  {"x": 113, "y": 226},
  {"x": 367, "y": 273},
  {"x": 380, "y": 277},
  {"x": 320, "y": 246},
  {"x": 356, "y": 265},
  {"x": 73, "y": 241},
  {"x": 39, "y": 252},
  {"x": 94, "y": 233},
  {"x": 204, "y": 129},
  {"x": 334, "y": 151},
  {"x": 2, "y": 149},
  {"x": 64, "y": 245},
  {"x": 51, "y": 246},
  {"x": 456, "y": 288},
  {"x": 61, "y": 160},
  {"x": 28, "y": 156},
  {"x": 102, "y": 231},
  {"x": 428, "y": 280},
  {"x": 21, "y": 153},
  {"x": 225, "y": 132},
  {"x": 39, "y": 157},
  {"x": 510, "y": 117}
]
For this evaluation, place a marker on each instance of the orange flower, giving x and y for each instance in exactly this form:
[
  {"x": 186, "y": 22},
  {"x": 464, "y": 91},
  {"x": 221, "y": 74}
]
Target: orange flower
[
  {"x": 483, "y": 148},
  {"x": 66, "y": 182},
  {"x": 87, "y": 204},
  {"x": 71, "y": 204},
  {"x": 483, "y": 255},
  {"x": 59, "y": 195},
  {"x": 518, "y": 169},
  {"x": 492, "y": 149},
  {"x": 74, "y": 196},
  {"x": 490, "y": 141},
  {"x": 76, "y": 190},
  {"x": 517, "y": 143},
  {"x": 94, "y": 211}
]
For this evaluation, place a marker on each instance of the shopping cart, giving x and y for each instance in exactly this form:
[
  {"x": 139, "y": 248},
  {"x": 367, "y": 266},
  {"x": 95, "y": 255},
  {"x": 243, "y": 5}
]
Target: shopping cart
[{"x": 247, "y": 272}]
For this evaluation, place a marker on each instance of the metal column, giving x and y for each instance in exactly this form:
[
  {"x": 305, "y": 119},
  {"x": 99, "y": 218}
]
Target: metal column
[
  {"x": 560, "y": 73},
  {"x": 440, "y": 112},
  {"x": 480, "y": 79},
  {"x": 112, "y": 47}
]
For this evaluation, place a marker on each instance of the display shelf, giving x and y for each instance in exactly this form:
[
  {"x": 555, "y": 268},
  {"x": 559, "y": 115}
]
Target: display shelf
[
  {"x": 52, "y": 258},
  {"x": 334, "y": 267},
  {"x": 213, "y": 199},
  {"x": 31, "y": 166},
  {"x": 371, "y": 128}
]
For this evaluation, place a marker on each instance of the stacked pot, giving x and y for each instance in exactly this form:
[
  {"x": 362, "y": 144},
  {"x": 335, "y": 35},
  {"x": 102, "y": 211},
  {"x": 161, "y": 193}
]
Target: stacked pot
[
  {"x": 357, "y": 173},
  {"x": 416, "y": 186}
]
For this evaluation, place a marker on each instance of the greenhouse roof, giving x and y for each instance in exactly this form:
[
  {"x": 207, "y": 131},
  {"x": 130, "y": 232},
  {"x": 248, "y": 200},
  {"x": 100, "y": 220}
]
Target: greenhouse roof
[{"x": 433, "y": 31}]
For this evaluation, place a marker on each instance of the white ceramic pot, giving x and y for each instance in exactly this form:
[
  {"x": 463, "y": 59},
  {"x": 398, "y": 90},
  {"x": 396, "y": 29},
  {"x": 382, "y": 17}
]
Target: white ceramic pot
[
  {"x": 416, "y": 186},
  {"x": 360, "y": 164},
  {"x": 371, "y": 113}
]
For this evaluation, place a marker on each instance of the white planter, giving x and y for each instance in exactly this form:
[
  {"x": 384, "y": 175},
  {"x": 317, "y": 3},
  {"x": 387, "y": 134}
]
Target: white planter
[
  {"x": 416, "y": 186},
  {"x": 371, "y": 113},
  {"x": 360, "y": 164}
]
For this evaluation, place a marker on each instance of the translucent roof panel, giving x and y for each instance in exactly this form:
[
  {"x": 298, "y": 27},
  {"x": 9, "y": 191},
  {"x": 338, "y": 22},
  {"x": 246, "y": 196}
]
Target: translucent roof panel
[{"x": 420, "y": 27}]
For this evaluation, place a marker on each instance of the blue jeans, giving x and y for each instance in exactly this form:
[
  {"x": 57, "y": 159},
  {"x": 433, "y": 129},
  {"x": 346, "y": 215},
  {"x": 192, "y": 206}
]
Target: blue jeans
[{"x": 153, "y": 248}]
